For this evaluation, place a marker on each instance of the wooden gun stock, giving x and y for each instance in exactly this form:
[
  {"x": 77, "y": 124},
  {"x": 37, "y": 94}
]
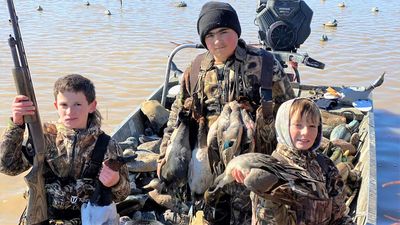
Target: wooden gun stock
[{"x": 37, "y": 204}]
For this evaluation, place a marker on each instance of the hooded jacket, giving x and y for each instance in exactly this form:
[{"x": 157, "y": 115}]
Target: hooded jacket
[{"x": 311, "y": 203}]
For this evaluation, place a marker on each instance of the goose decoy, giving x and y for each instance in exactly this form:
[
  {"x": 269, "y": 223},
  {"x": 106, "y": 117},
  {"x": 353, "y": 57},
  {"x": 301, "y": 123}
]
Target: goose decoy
[
  {"x": 145, "y": 161},
  {"x": 87, "y": 3},
  {"x": 131, "y": 204},
  {"x": 39, "y": 8},
  {"x": 107, "y": 12},
  {"x": 130, "y": 142}
]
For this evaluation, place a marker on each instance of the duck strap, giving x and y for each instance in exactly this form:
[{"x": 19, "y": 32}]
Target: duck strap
[
  {"x": 194, "y": 73},
  {"x": 99, "y": 151},
  {"x": 266, "y": 84}
]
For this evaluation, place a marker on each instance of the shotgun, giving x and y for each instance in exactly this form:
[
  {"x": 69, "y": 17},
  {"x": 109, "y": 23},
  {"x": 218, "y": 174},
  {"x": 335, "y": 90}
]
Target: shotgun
[{"x": 36, "y": 212}]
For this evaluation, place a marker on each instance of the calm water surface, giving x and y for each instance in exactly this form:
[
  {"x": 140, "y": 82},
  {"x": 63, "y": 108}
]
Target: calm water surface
[{"x": 125, "y": 55}]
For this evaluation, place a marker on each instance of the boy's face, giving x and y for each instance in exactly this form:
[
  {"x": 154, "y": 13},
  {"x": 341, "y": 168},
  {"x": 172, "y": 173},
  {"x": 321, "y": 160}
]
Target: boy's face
[
  {"x": 221, "y": 42},
  {"x": 303, "y": 131},
  {"x": 73, "y": 109}
]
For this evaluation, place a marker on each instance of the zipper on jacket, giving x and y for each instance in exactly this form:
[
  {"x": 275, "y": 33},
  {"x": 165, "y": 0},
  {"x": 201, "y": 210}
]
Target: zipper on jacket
[{"x": 71, "y": 174}]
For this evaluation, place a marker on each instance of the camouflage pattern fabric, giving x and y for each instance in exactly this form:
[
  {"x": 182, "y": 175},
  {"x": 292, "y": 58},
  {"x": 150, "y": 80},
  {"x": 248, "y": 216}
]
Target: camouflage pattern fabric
[
  {"x": 214, "y": 93},
  {"x": 70, "y": 196},
  {"x": 317, "y": 201},
  {"x": 68, "y": 154},
  {"x": 238, "y": 79}
]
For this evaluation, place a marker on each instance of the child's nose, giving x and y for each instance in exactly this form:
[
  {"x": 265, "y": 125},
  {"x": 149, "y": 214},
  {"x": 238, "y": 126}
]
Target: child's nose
[
  {"x": 68, "y": 110},
  {"x": 304, "y": 130}
]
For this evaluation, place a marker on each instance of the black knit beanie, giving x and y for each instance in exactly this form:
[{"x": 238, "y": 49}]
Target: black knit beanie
[{"x": 214, "y": 15}]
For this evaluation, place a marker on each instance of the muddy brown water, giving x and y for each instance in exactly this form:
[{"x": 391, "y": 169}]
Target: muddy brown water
[{"x": 125, "y": 54}]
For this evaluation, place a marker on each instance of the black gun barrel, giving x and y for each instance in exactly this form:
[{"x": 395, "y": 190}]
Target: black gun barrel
[{"x": 36, "y": 212}]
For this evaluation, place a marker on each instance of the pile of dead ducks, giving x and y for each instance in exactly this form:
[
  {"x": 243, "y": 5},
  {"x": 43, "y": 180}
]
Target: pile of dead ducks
[{"x": 150, "y": 203}]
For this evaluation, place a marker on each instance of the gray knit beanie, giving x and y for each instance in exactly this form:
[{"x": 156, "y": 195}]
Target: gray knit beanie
[{"x": 214, "y": 15}]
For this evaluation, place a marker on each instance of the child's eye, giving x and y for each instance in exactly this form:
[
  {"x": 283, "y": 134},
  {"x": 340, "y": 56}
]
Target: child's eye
[
  {"x": 209, "y": 35},
  {"x": 298, "y": 125}
]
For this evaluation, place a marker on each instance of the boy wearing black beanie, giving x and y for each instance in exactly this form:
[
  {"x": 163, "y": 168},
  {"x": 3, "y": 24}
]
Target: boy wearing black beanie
[
  {"x": 216, "y": 15},
  {"x": 230, "y": 70}
]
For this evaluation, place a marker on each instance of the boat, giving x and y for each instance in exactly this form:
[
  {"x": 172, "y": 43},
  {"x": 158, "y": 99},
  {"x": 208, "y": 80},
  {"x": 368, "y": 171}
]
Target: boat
[
  {"x": 363, "y": 203},
  {"x": 362, "y": 199}
]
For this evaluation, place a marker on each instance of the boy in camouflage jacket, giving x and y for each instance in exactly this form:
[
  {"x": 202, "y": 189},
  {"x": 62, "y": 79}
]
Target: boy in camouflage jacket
[
  {"x": 230, "y": 70},
  {"x": 69, "y": 147}
]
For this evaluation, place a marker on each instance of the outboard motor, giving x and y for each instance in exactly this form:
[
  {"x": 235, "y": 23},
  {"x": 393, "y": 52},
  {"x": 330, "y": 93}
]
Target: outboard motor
[{"x": 283, "y": 24}]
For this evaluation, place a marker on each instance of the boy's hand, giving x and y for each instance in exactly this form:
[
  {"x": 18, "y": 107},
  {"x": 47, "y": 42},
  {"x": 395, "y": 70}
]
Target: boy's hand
[
  {"x": 20, "y": 107},
  {"x": 238, "y": 175},
  {"x": 108, "y": 176}
]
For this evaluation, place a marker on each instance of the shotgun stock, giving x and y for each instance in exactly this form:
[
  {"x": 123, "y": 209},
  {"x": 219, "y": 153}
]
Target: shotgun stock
[{"x": 37, "y": 204}]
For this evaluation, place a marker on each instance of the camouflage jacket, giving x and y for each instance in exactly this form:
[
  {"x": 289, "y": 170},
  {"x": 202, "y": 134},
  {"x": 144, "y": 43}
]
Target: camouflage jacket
[
  {"x": 216, "y": 88},
  {"x": 290, "y": 203},
  {"x": 68, "y": 152}
]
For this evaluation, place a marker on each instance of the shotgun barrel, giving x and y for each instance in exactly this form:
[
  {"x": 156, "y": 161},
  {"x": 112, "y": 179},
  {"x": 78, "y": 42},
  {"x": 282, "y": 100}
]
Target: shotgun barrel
[{"x": 37, "y": 204}]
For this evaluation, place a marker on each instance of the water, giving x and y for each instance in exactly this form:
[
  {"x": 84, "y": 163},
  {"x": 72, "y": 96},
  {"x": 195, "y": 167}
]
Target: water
[{"x": 125, "y": 55}]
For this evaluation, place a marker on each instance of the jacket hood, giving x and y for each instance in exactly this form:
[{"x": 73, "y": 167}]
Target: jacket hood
[{"x": 282, "y": 124}]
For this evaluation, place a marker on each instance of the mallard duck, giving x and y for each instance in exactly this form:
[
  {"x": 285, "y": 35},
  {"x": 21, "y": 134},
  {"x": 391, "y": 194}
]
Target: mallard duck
[{"x": 332, "y": 23}]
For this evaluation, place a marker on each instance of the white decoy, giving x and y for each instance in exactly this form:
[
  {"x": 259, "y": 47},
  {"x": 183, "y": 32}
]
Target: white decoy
[
  {"x": 374, "y": 9},
  {"x": 107, "y": 12}
]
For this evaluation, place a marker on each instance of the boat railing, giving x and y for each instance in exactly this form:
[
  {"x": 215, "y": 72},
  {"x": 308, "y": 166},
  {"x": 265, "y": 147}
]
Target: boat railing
[{"x": 168, "y": 69}]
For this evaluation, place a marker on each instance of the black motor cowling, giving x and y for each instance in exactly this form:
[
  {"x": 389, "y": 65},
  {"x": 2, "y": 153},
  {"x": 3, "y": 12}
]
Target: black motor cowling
[{"x": 283, "y": 24}]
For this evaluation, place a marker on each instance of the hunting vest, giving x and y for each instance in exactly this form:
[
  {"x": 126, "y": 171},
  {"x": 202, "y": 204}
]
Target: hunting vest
[
  {"x": 66, "y": 195},
  {"x": 248, "y": 82}
]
